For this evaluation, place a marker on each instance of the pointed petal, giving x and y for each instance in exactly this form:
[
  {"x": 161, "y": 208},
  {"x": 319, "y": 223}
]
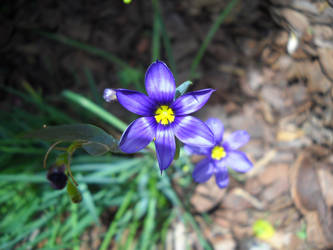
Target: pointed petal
[
  {"x": 222, "y": 177},
  {"x": 194, "y": 132},
  {"x": 191, "y": 102},
  {"x": 203, "y": 170},
  {"x": 136, "y": 102},
  {"x": 197, "y": 150},
  {"x": 138, "y": 135},
  {"x": 237, "y": 139},
  {"x": 165, "y": 146},
  {"x": 160, "y": 84},
  {"x": 238, "y": 161},
  {"x": 217, "y": 128}
]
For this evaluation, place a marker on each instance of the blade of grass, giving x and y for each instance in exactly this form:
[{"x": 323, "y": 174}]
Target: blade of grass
[
  {"x": 74, "y": 220},
  {"x": 89, "y": 202},
  {"x": 25, "y": 150},
  {"x": 166, "y": 41},
  {"x": 95, "y": 109},
  {"x": 149, "y": 224},
  {"x": 113, "y": 225},
  {"x": 167, "y": 189},
  {"x": 22, "y": 178},
  {"x": 165, "y": 226},
  {"x": 189, "y": 219},
  {"x": 92, "y": 85},
  {"x": 55, "y": 228},
  {"x": 132, "y": 231},
  {"x": 210, "y": 36},
  {"x": 85, "y": 47},
  {"x": 58, "y": 115}
]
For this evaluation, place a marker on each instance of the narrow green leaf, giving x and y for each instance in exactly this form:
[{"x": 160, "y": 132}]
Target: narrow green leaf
[
  {"x": 182, "y": 88},
  {"x": 97, "y": 140},
  {"x": 112, "y": 229},
  {"x": 149, "y": 224},
  {"x": 141, "y": 208},
  {"x": 210, "y": 36},
  {"x": 89, "y": 202},
  {"x": 92, "y": 85},
  {"x": 156, "y": 33},
  {"x": 95, "y": 109},
  {"x": 85, "y": 47}
]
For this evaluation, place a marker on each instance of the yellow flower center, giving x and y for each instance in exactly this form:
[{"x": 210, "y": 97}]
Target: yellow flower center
[
  {"x": 164, "y": 115},
  {"x": 218, "y": 153}
]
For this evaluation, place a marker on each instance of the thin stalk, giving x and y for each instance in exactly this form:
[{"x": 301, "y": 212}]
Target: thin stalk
[
  {"x": 166, "y": 41},
  {"x": 210, "y": 36},
  {"x": 156, "y": 33}
]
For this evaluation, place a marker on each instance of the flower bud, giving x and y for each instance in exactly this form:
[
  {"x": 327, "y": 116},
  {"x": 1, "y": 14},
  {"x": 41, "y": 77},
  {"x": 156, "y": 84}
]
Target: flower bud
[
  {"x": 57, "y": 177},
  {"x": 109, "y": 95}
]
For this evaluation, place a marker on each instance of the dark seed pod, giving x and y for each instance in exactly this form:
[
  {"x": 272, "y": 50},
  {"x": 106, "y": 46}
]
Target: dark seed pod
[{"x": 57, "y": 177}]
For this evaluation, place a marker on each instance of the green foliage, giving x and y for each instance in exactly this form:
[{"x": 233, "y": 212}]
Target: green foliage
[
  {"x": 46, "y": 216},
  {"x": 143, "y": 202},
  {"x": 93, "y": 139}
]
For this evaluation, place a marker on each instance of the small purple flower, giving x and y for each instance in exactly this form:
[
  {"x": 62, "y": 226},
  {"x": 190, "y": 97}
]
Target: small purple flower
[
  {"x": 220, "y": 156},
  {"x": 163, "y": 117}
]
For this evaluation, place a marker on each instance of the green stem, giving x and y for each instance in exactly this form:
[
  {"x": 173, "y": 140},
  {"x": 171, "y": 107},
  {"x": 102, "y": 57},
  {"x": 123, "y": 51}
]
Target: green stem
[
  {"x": 156, "y": 33},
  {"x": 210, "y": 36},
  {"x": 166, "y": 41}
]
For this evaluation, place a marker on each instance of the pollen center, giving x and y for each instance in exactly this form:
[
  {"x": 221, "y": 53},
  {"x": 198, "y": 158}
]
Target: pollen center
[
  {"x": 218, "y": 153},
  {"x": 164, "y": 115}
]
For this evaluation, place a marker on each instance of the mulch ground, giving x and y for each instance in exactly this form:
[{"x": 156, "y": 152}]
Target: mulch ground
[{"x": 284, "y": 100}]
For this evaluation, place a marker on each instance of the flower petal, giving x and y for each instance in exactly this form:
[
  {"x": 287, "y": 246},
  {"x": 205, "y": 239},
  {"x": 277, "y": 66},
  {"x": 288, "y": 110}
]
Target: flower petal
[
  {"x": 222, "y": 177},
  {"x": 203, "y": 170},
  {"x": 165, "y": 146},
  {"x": 136, "y": 102},
  {"x": 197, "y": 150},
  {"x": 237, "y": 139},
  {"x": 238, "y": 161},
  {"x": 160, "y": 84},
  {"x": 191, "y": 102},
  {"x": 194, "y": 132},
  {"x": 217, "y": 128},
  {"x": 138, "y": 135}
]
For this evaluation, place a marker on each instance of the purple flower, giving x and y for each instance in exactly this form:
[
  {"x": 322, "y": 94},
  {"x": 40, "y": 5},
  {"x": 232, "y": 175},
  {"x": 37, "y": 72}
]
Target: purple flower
[
  {"x": 163, "y": 117},
  {"x": 220, "y": 156}
]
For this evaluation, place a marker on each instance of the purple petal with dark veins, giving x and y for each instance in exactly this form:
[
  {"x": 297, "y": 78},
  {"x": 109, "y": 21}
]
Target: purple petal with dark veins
[
  {"x": 160, "y": 84},
  {"x": 165, "y": 146},
  {"x": 222, "y": 177},
  {"x": 238, "y": 161},
  {"x": 138, "y": 135},
  {"x": 203, "y": 170},
  {"x": 193, "y": 132},
  {"x": 237, "y": 139},
  {"x": 191, "y": 102},
  {"x": 136, "y": 102},
  {"x": 217, "y": 128}
]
